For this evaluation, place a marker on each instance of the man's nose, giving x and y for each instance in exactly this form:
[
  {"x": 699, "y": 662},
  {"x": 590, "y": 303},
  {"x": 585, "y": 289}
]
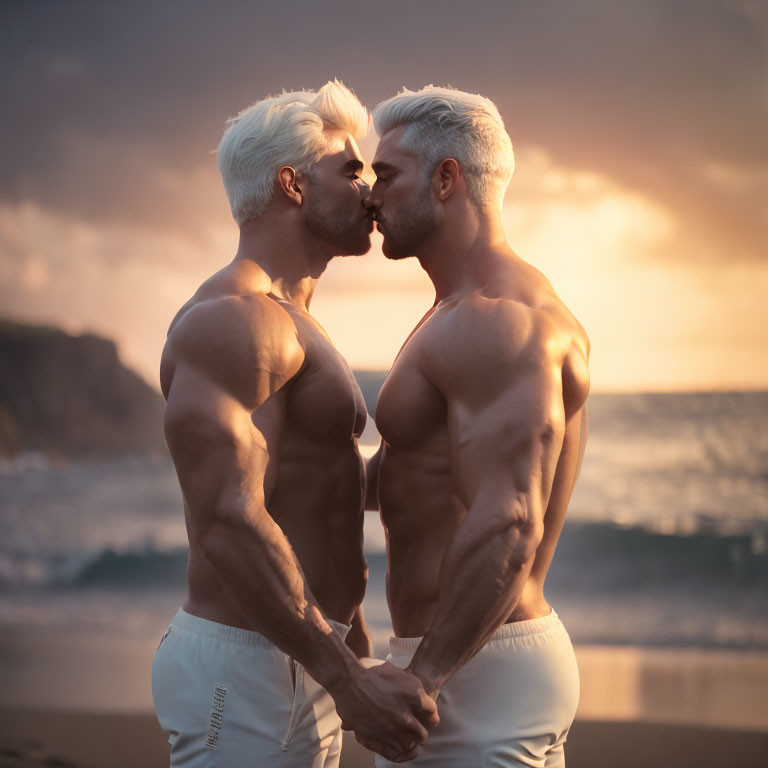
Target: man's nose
[{"x": 369, "y": 201}]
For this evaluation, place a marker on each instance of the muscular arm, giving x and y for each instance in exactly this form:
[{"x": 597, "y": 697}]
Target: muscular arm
[
  {"x": 224, "y": 421},
  {"x": 506, "y": 428},
  {"x": 225, "y": 414},
  {"x": 359, "y": 639},
  {"x": 346, "y": 541}
]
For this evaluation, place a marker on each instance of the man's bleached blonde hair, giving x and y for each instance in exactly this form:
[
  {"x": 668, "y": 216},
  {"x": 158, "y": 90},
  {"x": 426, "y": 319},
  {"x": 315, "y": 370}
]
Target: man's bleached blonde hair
[
  {"x": 445, "y": 122},
  {"x": 287, "y": 129}
]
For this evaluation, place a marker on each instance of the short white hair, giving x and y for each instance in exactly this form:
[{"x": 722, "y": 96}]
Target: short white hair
[
  {"x": 445, "y": 122},
  {"x": 287, "y": 129}
]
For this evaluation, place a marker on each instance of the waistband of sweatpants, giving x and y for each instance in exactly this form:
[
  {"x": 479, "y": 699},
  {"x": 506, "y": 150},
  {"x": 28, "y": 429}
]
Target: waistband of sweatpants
[
  {"x": 504, "y": 632},
  {"x": 213, "y": 629}
]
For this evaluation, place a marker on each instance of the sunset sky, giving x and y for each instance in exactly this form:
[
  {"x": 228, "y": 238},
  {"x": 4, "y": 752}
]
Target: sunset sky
[{"x": 641, "y": 187}]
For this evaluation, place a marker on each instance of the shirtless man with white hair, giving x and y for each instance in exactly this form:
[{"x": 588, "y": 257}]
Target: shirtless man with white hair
[
  {"x": 262, "y": 421},
  {"x": 484, "y": 424}
]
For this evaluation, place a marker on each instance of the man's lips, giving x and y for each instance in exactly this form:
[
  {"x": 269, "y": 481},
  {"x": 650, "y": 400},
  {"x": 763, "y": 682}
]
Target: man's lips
[{"x": 376, "y": 216}]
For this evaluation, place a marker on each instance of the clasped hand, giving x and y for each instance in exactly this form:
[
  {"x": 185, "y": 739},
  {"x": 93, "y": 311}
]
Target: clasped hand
[{"x": 388, "y": 710}]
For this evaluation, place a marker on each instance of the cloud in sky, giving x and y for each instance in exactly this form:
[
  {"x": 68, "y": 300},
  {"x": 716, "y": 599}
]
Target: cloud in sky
[
  {"x": 654, "y": 320},
  {"x": 106, "y": 102},
  {"x": 650, "y": 324},
  {"x": 641, "y": 188}
]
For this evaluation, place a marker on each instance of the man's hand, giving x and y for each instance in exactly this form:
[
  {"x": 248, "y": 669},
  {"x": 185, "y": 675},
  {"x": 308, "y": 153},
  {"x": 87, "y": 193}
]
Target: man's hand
[{"x": 388, "y": 710}]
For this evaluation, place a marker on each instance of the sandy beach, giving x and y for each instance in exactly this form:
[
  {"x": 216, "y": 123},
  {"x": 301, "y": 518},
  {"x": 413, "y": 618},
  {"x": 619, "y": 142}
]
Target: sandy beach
[
  {"x": 79, "y": 740},
  {"x": 83, "y": 700}
]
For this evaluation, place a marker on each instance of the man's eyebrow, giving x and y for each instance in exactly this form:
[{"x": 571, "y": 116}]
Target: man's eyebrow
[{"x": 380, "y": 167}]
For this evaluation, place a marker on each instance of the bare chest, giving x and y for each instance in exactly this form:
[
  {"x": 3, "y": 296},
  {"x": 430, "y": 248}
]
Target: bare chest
[
  {"x": 324, "y": 401},
  {"x": 410, "y": 411}
]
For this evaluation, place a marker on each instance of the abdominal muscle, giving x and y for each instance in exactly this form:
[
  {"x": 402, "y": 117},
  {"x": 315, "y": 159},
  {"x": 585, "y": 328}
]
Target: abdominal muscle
[
  {"x": 309, "y": 491},
  {"x": 421, "y": 513}
]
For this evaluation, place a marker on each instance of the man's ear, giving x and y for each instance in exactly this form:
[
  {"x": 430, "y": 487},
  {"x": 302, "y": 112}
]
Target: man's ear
[
  {"x": 286, "y": 178},
  {"x": 448, "y": 173}
]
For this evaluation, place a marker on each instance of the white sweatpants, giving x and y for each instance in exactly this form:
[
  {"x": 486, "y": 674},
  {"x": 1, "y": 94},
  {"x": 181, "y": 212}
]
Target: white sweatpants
[
  {"x": 228, "y": 698},
  {"x": 511, "y": 705}
]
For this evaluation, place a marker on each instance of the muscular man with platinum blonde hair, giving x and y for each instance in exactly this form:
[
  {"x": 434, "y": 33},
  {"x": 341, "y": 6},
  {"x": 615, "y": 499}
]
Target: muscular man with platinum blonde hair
[
  {"x": 288, "y": 129},
  {"x": 443, "y": 122},
  {"x": 262, "y": 420},
  {"x": 483, "y": 425}
]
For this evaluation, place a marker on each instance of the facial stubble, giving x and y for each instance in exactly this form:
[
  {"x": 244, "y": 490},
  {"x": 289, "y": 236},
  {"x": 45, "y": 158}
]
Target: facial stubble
[{"x": 404, "y": 236}]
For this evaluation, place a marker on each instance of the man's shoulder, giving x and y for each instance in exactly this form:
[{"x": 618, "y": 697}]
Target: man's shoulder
[
  {"x": 250, "y": 321},
  {"x": 497, "y": 338},
  {"x": 236, "y": 339},
  {"x": 481, "y": 326}
]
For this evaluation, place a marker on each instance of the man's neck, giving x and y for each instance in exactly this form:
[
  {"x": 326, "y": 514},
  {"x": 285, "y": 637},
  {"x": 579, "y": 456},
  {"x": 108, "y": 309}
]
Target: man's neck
[
  {"x": 292, "y": 260},
  {"x": 462, "y": 255}
]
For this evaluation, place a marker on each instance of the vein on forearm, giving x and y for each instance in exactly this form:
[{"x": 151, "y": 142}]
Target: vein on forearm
[{"x": 481, "y": 578}]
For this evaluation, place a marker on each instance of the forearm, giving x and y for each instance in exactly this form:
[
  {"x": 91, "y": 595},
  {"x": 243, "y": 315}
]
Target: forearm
[
  {"x": 481, "y": 583},
  {"x": 345, "y": 543},
  {"x": 256, "y": 565},
  {"x": 359, "y": 639}
]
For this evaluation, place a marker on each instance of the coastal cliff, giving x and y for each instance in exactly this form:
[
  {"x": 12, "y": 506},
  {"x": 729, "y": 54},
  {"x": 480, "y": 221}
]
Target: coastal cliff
[{"x": 69, "y": 395}]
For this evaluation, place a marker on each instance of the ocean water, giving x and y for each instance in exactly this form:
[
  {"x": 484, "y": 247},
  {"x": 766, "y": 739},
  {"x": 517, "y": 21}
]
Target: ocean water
[{"x": 666, "y": 542}]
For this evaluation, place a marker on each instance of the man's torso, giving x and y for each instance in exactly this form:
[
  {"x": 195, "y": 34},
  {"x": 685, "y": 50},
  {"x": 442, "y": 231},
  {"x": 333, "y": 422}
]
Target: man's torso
[
  {"x": 317, "y": 478},
  {"x": 420, "y": 505}
]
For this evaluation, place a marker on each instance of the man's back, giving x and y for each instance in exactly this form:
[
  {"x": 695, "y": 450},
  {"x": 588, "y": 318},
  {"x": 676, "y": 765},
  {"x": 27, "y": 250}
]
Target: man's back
[
  {"x": 502, "y": 359},
  {"x": 256, "y": 389}
]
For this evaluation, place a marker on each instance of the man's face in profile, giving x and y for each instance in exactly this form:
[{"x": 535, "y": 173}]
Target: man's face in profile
[
  {"x": 401, "y": 199},
  {"x": 333, "y": 198}
]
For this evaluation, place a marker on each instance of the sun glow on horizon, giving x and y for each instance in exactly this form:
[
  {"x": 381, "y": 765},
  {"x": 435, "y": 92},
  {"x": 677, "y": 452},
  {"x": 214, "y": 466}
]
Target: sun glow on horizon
[{"x": 656, "y": 322}]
